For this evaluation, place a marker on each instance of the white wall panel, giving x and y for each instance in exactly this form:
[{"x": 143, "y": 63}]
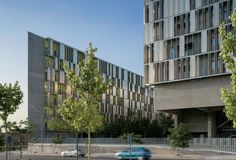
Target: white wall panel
[
  {"x": 181, "y": 46},
  {"x": 192, "y": 21},
  {"x": 167, "y": 9},
  {"x": 166, "y": 27},
  {"x": 171, "y": 70},
  {"x": 51, "y": 47},
  {"x": 151, "y": 73},
  {"x": 204, "y": 41},
  {"x": 171, "y": 27},
  {"x": 187, "y": 5},
  {"x": 151, "y": 16},
  {"x": 75, "y": 56},
  {"x": 216, "y": 14},
  {"x": 192, "y": 66},
  {"x": 62, "y": 51},
  {"x": 198, "y": 3}
]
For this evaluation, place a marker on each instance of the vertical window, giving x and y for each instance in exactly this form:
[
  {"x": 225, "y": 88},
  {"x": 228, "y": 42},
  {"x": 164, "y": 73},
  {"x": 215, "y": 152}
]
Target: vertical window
[
  {"x": 146, "y": 13},
  {"x": 158, "y": 30},
  {"x": 158, "y": 10},
  {"x": 80, "y": 57},
  {"x": 182, "y": 24},
  {"x": 192, "y": 44},
  {"x": 47, "y": 46},
  {"x": 152, "y": 52},
  {"x": 146, "y": 74},
  {"x": 146, "y": 54},
  {"x": 56, "y": 49},
  {"x": 213, "y": 40},
  {"x": 213, "y": 63},
  {"x": 226, "y": 9},
  {"x": 204, "y": 18},
  {"x": 68, "y": 54},
  {"x": 173, "y": 48},
  {"x": 192, "y": 4},
  {"x": 203, "y": 65}
]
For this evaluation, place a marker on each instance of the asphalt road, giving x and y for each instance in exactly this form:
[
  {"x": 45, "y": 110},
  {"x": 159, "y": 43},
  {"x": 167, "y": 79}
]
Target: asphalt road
[{"x": 40, "y": 157}]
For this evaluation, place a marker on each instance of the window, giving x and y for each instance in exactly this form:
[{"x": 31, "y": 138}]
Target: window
[
  {"x": 173, "y": 48},
  {"x": 103, "y": 66},
  {"x": 207, "y": 2},
  {"x": 49, "y": 62},
  {"x": 192, "y": 44},
  {"x": 68, "y": 54},
  {"x": 56, "y": 49},
  {"x": 80, "y": 57},
  {"x": 192, "y": 4},
  {"x": 182, "y": 24},
  {"x": 47, "y": 46},
  {"x": 161, "y": 71},
  {"x": 152, "y": 52},
  {"x": 226, "y": 9},
  {"x": 204, "y": 18},
  {"x": 146, "y": 74},
  {"x": 213, "y": 40},
  {"x": 203, "y": 65},
  {"x": 146, "y": 13},
  {"x": 146, "y": 54},
  {"x": 158, "y": 10},
  {"x": 158, "y": 30},
  {"x": 182, "y": 68},
  {"x": 213, "y": 63}
]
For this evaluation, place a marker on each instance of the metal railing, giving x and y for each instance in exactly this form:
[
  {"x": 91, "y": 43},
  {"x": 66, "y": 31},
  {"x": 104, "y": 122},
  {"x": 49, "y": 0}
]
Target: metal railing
[{"x": 221, "y": 144}]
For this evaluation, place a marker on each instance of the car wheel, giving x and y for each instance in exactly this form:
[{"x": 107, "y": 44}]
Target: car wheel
[
  {"x": 119, "y": 157},
  {"x": 82, "y": 155},
  {"x": 140, "y": 158},
  {"x": 63, "y": 154}
]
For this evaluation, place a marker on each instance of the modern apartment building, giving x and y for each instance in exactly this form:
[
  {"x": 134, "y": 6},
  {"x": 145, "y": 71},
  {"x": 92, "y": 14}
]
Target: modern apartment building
[
  {"x": 48, "y": 87},
  {"x": 182, "y": 62}
]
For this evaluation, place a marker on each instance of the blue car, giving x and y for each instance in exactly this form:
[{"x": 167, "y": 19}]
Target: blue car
[{"x": 139, "y": 153}]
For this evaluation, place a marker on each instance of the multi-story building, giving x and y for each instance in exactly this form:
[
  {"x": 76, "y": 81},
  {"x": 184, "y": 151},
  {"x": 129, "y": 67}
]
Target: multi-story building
[
  {"x": 48, "y": 87},
  {"x": 182, "y": 62}
]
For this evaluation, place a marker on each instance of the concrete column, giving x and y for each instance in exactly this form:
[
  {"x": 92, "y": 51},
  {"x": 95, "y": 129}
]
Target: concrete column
[
  {"x": 178, "y": 118},
  {"x": 211, "y": 125}
]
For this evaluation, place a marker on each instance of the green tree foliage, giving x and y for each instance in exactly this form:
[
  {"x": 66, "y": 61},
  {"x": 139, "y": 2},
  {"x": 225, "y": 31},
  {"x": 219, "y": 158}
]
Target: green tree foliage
[
  {"x": 228, "y": 55},
  {"x": 10, "y": 98},
  {"x": 138, "y": 126},
  {"x": 179, "y": 136},
  {"x": 81, "y": 113}
]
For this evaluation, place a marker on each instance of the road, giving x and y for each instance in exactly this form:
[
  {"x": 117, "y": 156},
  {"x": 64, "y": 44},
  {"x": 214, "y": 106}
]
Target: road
[{"x": 41, "y": 157}]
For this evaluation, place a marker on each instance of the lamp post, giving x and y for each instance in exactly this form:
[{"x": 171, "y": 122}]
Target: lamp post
[{"x": 41, "y": 134}]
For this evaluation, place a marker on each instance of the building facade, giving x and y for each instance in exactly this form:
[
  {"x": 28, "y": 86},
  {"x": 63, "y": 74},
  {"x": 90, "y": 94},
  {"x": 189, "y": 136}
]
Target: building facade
[
  {"x": 182, "y": 62},
  {"x": 48, "y": 87}
]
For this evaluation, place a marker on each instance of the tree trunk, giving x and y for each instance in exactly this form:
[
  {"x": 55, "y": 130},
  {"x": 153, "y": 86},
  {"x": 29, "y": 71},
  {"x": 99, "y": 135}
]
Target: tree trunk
[
  {"x": 6, "y": 134},
  {"x": 89, "y": 141},
  {"x": 77, "y": 145}
]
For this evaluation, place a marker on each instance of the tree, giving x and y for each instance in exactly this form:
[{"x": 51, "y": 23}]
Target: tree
[
  {"x": 179, "y": 136},
  {"x": 228, "y": 55},
  {"x": 10, "y": 98},
  {"x": 82, "y": 113}
]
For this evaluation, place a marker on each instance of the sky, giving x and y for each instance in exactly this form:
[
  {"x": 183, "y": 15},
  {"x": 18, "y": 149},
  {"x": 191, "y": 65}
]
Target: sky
[{"x": 115, "y": 27}]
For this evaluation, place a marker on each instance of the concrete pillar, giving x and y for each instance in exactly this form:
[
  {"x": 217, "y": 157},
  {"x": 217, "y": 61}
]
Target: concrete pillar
[
  {"x": 178, "y": 118},
  {"x": 211, "y": 125}
]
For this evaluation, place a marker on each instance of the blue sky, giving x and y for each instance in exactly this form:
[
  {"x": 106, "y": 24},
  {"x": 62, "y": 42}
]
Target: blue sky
[{"x": 115, "y": 27}]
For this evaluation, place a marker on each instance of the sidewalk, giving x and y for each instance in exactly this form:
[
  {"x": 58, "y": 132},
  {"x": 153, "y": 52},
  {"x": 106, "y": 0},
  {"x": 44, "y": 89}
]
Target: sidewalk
[{"x": 184, "y": 156}]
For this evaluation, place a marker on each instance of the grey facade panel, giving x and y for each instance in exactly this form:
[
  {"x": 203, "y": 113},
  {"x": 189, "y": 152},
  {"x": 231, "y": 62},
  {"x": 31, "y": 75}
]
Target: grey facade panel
[
  {"x": 190, "y": 94},
  {"x": 36, "y": 82}
]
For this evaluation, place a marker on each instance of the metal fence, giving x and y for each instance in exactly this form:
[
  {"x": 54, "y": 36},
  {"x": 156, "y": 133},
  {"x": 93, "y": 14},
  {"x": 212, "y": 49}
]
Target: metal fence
[
  {"x": 146, "y": 141},
  {"x": 221, "y": 144}
]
